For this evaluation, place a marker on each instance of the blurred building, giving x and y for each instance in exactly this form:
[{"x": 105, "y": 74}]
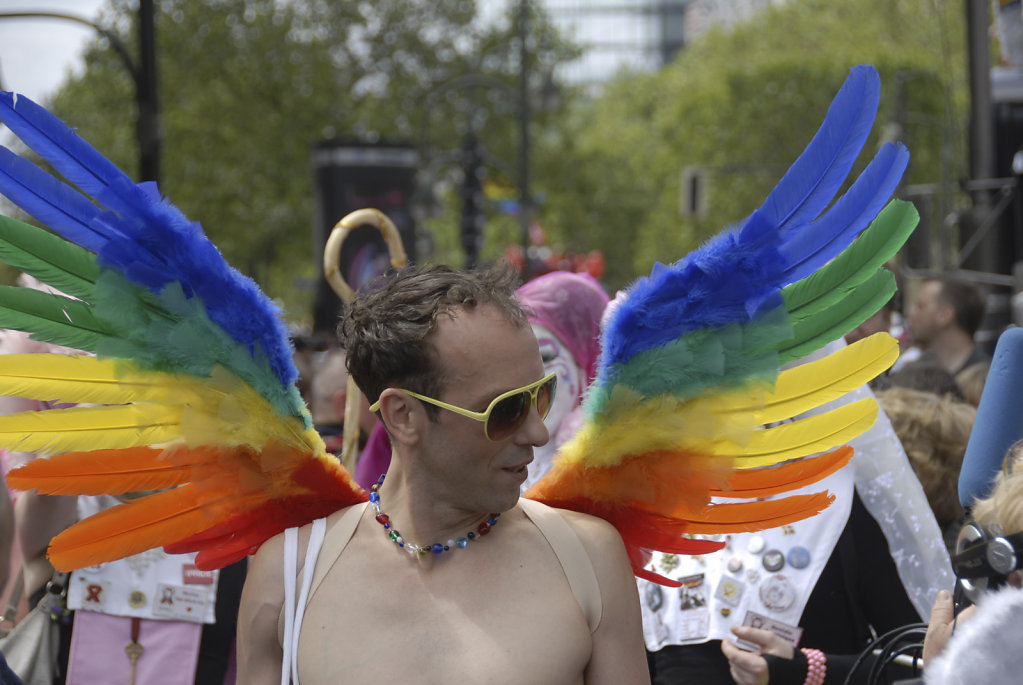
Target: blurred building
[{"x": 638, "y": 35}]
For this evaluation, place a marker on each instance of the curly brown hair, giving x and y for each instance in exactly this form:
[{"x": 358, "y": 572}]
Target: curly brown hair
[
  {"x": 385, "y": 332},
  {"x": 934, "y": 430}
]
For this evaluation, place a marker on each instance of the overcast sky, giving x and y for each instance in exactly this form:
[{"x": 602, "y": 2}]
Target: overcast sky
[{"x": 36, "y": 54}]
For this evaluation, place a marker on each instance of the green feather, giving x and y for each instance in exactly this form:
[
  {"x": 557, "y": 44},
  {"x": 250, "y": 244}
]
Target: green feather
[
  {"x": 51, "y": 318},
  {"x": 723, "y": 357},
  {"x": 173, "y": 333},
  {"x": 856, "y": 306},
  {"x": 875, "y": 246},
  {"x": 53, "y": 260}
]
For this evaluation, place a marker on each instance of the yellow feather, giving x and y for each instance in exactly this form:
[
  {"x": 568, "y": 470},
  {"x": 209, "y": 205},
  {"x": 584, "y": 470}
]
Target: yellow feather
[
  {"x": 725, "y": 424},
  {"x": 816, "y": 383},
  {"x": 229, "y": 412},
  {"x": 90, "y": 428},
  {"x": 660, "y": 424},
  {"x": 805, "y": 436},
  {"x": 222, "y": 409},
  {"x": 83, "y": 379}
]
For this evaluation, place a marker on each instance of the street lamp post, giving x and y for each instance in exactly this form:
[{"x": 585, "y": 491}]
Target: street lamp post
[
  {"x": 519, "y": 96},
  {"x": 525, "y": 201},
  {"x": 148, "y": 130}
]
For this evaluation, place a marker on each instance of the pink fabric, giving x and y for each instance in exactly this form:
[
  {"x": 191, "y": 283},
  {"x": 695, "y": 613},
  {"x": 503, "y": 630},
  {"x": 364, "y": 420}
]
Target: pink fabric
[
  {"x": 375, "y": 458},
  {"x": 97, "y": 651},
  {"x": 570, "y": 306},
  {"x": 231, "y": 675}
]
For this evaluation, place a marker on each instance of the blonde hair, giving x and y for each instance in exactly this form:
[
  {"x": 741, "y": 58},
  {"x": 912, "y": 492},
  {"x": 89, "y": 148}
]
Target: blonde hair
[
  {"x": 1003, "y": 508},
  {"x": 933, "y": 430}
]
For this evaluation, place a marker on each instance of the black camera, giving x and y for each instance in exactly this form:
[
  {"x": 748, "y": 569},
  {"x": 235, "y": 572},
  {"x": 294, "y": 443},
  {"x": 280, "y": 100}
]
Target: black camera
[{"x": 984, "y": 559}]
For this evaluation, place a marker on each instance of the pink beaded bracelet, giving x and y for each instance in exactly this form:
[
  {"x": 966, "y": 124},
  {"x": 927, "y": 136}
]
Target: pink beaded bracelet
[{"x": 816, "y": 666}]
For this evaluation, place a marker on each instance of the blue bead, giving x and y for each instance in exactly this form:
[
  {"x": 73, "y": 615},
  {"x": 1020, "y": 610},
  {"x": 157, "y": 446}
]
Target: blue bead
[
  {"x": 374, "y": 497},
  {"x": 471, "y": 535},
  {"x": 462, "y": 542},
  {"x": 401, "y": 544},
  {"x": 437, "y": 548},
  {"x": 446, "y": 548},
  {"x": 492, "y": 521}
]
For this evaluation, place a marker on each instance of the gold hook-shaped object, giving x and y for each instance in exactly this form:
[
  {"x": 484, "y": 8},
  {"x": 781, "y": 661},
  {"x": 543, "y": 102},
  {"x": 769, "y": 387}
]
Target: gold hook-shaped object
[
  {"x": 332, "y": 272},
  {"x": 332, "y": 251}
]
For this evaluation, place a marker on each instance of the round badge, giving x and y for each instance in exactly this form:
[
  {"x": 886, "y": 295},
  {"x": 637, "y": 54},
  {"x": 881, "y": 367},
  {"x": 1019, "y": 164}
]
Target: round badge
[
  {"x": 756, "y": 544},
  {"x": 735, "y": 564},
  {"x": 773, "y": 560},
  {"x": 799, "y": 557},
  {"x": 777, "y": 593},
  {"x": 137, "y": 600}
]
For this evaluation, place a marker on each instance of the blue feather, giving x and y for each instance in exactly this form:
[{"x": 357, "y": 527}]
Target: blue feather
[
  {"x": 75, "y": 159},
  {"x": 814, "y": 178},
  {"x": 811, "y": 248},
  {"x": 144, "y": 237},
  {"x": 727, "y": 280},
  {"x": 736, "y": 277},
  {"x": 53, "y": 203}
]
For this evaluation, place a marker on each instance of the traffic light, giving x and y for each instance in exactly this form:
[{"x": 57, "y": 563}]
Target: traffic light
[{"x": 473, "y": 217}]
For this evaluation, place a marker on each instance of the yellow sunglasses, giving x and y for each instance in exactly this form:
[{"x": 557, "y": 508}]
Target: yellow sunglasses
[{"x": 507, "y": 412}]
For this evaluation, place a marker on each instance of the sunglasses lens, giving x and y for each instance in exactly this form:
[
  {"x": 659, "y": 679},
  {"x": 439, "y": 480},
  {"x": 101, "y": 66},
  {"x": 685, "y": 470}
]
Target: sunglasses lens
[
  {"x": 507, "y": 415},
  {"x": 545, "y": 397}
]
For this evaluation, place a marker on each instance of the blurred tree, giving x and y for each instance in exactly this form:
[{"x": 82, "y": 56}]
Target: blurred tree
[
  {"x": 741, "y": 105},
  {"x": 247, "y": 86}
]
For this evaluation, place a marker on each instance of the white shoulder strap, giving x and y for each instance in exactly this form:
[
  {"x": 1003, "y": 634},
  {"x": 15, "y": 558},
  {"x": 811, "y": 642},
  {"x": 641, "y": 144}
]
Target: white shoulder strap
[
  {"x": 290, "y": 570},
  {"x": 294, "y": 612}
]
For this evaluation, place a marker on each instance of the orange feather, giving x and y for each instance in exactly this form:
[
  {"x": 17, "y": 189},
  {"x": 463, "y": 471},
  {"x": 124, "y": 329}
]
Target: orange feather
[
  {"x": 751, "y": 516},
  {"x": 129, "y": 529},
  {"x": 772, "y": 480},
  {"x": 660, "y": 479},
  {"x": 113, "y": 472},
  {"x": 224, "y": 506}
]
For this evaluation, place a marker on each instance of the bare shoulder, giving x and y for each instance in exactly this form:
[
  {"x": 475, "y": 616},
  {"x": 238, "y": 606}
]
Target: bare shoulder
[
  {"x": 259, "y": 615},
  {"x": 266, "y": 566},
  {"x": 618, "y": 655},
  {"x": 596, "y": 534},
  {"x": 604, "y": 546}
]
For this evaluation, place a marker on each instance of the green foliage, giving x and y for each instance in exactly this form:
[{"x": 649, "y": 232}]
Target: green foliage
[
  {"x": 247, "y": 87},
  {"x": 741, "y": 105}
]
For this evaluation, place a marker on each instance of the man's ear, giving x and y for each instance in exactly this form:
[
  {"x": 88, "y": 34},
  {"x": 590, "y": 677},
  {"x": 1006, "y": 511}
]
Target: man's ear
[
  {"x": 402, "y": 415},
  {"x": 947, "y": 314}
]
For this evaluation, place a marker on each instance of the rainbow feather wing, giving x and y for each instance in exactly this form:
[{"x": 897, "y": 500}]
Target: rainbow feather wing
[
  {"x": 689, "y": 379},
  {"x": 192, "y": 372}
]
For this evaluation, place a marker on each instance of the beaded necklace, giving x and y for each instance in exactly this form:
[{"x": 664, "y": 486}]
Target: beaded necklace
[{"x": 436, "y": 548}]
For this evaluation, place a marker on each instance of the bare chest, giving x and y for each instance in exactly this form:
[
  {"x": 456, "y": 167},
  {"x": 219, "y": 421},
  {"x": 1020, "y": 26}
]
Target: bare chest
[{"x": 513, "y": 621}]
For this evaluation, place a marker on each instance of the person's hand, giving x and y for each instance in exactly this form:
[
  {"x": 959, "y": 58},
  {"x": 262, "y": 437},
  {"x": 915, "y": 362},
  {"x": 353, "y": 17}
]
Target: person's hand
[
  {"x": 943, "y": 619},
  {"x": 748, "y": 668}
]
